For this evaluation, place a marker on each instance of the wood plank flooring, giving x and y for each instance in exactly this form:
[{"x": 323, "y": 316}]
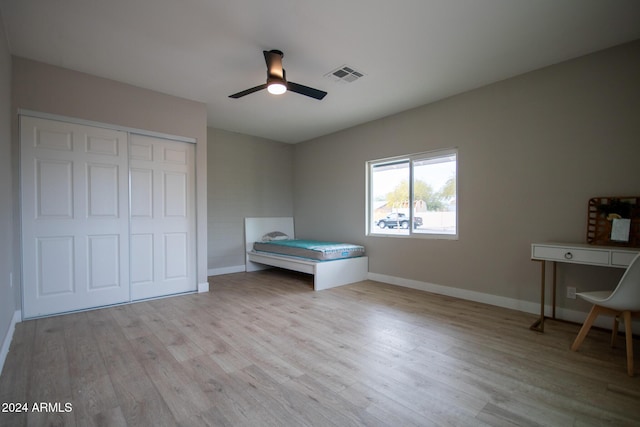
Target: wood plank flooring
[{"x": 264, "y": 349}]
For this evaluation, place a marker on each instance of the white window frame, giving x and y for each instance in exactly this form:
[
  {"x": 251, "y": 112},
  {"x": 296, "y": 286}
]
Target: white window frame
[{"x": 410, "y": 159}]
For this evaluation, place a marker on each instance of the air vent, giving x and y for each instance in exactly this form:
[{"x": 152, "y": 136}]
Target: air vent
[{"x": 344, "y": 74}]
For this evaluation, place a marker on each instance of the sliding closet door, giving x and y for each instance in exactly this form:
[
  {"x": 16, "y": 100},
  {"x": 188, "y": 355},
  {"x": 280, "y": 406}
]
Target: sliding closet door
[
  {"x": 163, "y": 239},
  {"x": 74, "y": 217}
]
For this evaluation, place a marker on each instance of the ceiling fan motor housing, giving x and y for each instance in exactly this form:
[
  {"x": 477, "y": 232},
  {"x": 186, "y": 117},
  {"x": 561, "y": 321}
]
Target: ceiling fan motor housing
[{"x": 275, "y": 72}]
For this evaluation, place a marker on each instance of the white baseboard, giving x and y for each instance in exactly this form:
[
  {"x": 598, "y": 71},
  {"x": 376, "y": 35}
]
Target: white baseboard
[
  {"x": 576, "y": 316},
  {"x": 203, "y": 287},
  {"x": 6, "y": 342},
  {"x": 226, "y": 270},
  {"x": 526, "y": 306}
]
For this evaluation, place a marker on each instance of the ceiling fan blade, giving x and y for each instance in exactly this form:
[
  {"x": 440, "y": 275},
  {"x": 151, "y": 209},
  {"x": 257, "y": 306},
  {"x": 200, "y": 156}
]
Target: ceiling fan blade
[
  {"x": 306, "y": 90},
  {"x": 248, "y": 91}
]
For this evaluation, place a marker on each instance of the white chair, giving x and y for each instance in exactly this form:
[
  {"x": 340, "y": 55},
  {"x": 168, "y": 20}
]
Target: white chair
[{"x": 623, "y": 301}]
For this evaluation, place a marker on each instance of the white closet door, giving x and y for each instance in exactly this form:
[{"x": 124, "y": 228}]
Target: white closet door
[
  {"x": 74, "y": 217},
  {"x": 163, "y": 239}
]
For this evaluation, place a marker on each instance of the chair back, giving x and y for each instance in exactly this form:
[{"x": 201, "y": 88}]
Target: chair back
[{"x": 626, "y": 295}]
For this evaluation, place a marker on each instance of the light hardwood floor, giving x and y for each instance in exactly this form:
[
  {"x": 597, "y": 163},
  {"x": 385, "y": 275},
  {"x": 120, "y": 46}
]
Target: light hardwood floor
[{"x": 264, "y": 349}]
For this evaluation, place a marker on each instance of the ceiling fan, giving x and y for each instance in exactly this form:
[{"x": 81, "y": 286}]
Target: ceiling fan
[{"x": 277, "y": 83}]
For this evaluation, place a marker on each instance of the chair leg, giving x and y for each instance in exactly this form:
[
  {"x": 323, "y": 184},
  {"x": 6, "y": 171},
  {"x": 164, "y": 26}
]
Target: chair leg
[
  {"x": 614, "y": 331},
  {"x": 629, "y": 337},
  {"x": 595, "y": 311}
]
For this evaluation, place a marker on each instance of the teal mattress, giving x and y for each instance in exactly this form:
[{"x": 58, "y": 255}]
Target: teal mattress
[{"x": 311, "y": 249}]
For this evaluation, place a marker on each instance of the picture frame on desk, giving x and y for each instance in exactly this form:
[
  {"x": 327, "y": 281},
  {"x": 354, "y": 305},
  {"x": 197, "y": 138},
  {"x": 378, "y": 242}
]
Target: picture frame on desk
[
  {"x": 604, "y": 227},
  {"x": 620, "y": 228}
]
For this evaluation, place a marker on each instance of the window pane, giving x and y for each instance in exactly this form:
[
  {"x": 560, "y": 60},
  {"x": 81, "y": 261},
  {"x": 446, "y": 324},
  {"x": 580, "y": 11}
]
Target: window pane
[
  {"x": 434, "y": 194},
  {"x": 414, "y": 195},
  {"x": 389, "y": 198}
]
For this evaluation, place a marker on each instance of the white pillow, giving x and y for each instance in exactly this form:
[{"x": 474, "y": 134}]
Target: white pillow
[{"x": 275, "y": 235}]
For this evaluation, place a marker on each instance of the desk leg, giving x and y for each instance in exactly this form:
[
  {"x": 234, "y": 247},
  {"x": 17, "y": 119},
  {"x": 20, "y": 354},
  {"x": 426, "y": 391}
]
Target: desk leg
[
  {"x": 538, "y": 325},
  {"x": 553, "y": 301}
]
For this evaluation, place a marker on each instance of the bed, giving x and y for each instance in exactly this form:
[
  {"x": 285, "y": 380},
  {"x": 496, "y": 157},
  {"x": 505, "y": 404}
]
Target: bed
[{"x": 327, "y": 271}]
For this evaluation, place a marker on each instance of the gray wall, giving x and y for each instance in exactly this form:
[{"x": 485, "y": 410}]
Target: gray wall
[
  {"x": 532, "y": 150},
  {"x": 8, "y": 301},
  {"x": 49, "y": 89},
  {"x": 248, "y": 177}
]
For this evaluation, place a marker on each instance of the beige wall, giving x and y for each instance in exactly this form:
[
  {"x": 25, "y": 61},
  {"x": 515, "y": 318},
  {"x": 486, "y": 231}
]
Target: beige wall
[
  {"x": 248, "y": 177},
  {"x": 8, "y": 300},
  {"x": 49, "y": 89},
  {"x": 532, "y": 150}
]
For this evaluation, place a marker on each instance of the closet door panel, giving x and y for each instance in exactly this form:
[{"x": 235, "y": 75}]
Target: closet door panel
[
  {"x": 162, "y": 217},
  {"x": 103, "y": 254},
  {"x": 75, "y": 235},
  {"x": 175, "y": 256},
  {"x": 142, "y": 187},
  {"x": 53, "y": 189},
  {"x": 142, "y": 250},
  {"x": 55, "y": 266},
  {"x": 103, "y": 191},
  {"x": 175, "y": 195}
]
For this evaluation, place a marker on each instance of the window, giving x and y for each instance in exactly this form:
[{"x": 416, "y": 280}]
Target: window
[{"x": 414, "y": 195}]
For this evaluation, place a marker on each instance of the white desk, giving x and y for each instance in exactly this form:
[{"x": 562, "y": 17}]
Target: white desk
[{"x": 575, "y": 253}]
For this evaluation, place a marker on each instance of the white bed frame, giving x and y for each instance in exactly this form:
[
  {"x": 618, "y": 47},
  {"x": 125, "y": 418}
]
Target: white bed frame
[{"x": 326, "y": 274}]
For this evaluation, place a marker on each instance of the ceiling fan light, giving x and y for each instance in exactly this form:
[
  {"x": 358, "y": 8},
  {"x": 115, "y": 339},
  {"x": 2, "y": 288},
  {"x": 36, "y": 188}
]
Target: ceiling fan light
[{"x": 276, "y": 88}]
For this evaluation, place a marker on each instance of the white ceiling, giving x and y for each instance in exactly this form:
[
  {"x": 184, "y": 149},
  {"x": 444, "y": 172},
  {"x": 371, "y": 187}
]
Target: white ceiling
[{"x": 412, "y": 52}]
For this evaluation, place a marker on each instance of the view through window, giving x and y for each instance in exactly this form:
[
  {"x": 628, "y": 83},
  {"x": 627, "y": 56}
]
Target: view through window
[{"x": 414, "y": 195}]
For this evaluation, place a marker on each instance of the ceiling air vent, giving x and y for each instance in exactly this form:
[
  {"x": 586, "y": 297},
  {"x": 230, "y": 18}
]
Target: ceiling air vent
[{"x": 344, "y": 74}]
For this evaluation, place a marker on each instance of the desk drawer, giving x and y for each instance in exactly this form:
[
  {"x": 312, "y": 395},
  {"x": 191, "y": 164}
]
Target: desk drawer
[
  {"x": 580, "y": 256},
  {"x": 622, "y": 258}
]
